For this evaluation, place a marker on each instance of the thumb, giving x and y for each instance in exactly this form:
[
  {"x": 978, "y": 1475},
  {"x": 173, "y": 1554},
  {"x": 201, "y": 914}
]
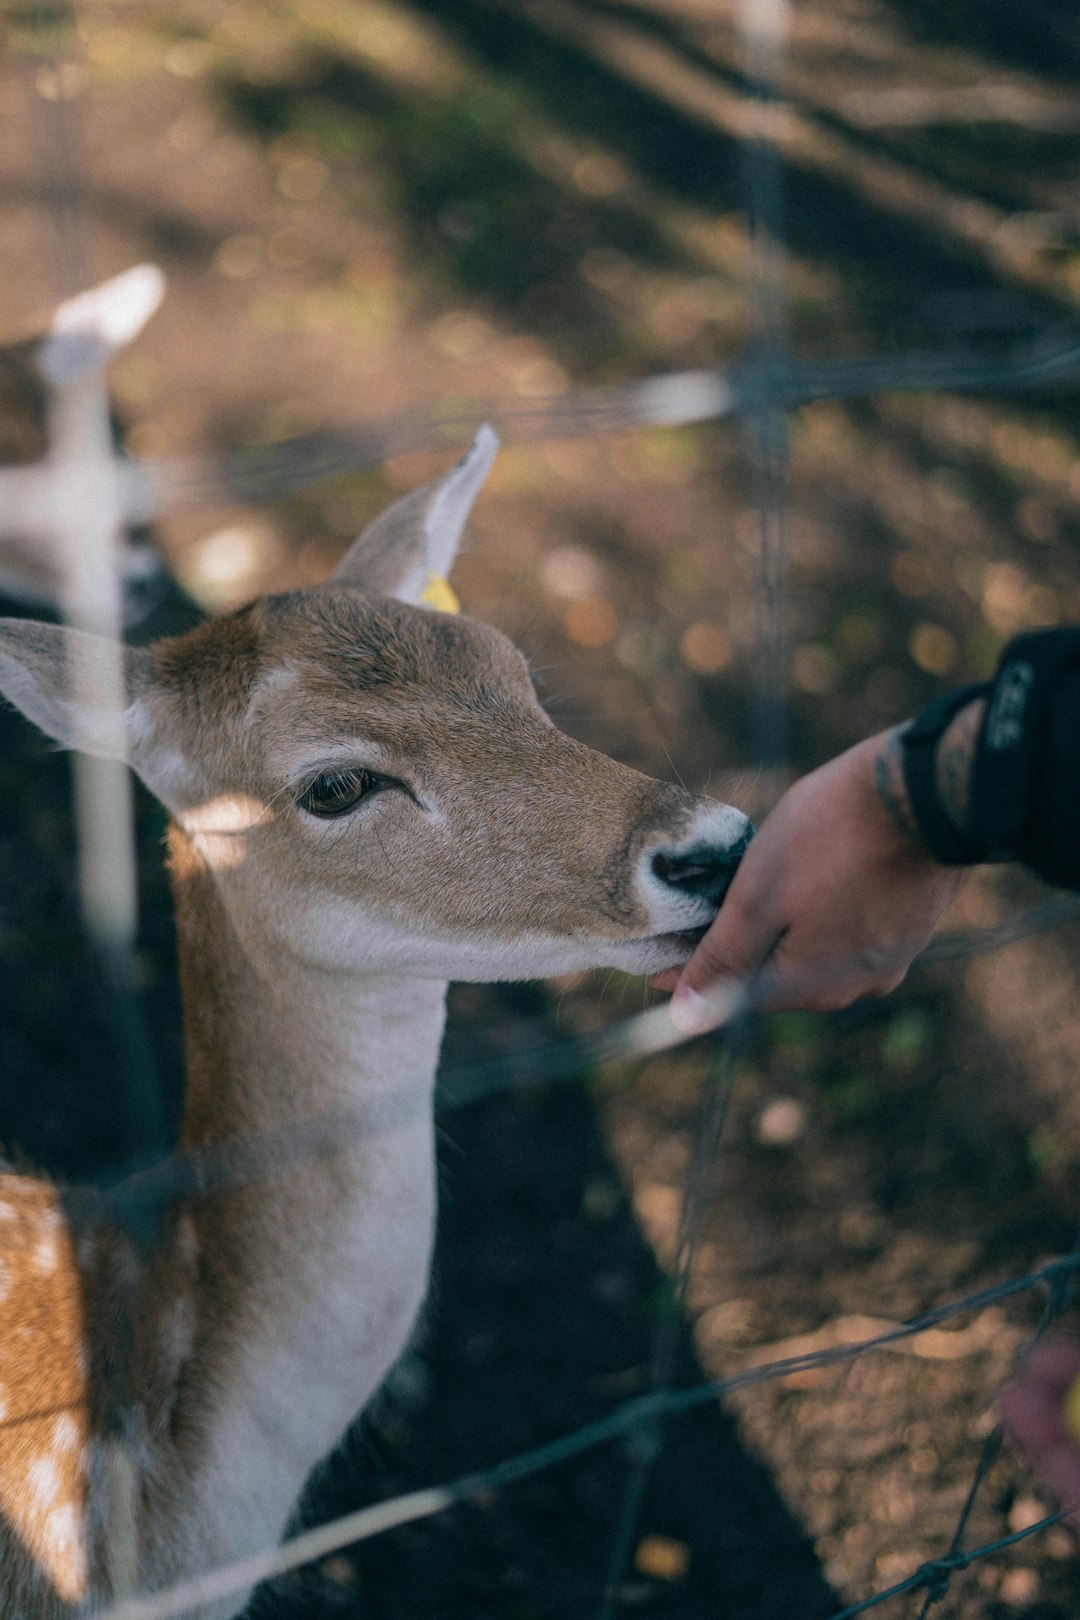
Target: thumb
[{"x": 713, "y": 982}]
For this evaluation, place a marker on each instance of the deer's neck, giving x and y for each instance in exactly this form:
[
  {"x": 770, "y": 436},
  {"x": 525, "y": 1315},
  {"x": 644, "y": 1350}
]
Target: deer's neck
[{"x": 309, "y": 1271}]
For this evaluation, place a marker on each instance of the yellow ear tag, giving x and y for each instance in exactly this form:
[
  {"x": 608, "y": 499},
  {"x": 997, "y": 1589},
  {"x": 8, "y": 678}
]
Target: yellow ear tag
[
  {"x": 438, "y": 595},
  {"x": 1070, "y": 1409}
]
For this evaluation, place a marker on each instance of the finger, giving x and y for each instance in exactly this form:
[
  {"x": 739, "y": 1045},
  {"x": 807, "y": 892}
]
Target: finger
[
  {"x": 1054, "y": 1364},
  {"x": 1032, "y": 1410},
  {"x": 1032, "y": 1417},
  {"x": 825, "y": 985},
  {"x": 1061, "y": 1467},
  {"x": 732, "y": 951}
]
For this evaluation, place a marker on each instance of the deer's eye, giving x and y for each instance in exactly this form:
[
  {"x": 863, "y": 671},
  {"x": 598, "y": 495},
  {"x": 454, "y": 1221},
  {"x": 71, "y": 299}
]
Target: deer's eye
[{"x": 333, "y": 793}]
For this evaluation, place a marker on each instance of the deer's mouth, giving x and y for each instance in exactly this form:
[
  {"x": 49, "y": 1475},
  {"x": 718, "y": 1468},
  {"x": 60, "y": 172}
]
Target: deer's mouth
[
  {"x": 681, "y": 942},
  {"x": 690, "y": 937}
]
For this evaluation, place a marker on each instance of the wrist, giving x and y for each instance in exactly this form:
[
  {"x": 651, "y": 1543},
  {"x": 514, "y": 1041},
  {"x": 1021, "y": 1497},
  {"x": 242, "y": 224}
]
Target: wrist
[
  {"x": 1008, "y": 788},
  {"x": 952, "y": 762},
  {"x": 890, "y": 784},
  {"x": 942, "y": 824}
]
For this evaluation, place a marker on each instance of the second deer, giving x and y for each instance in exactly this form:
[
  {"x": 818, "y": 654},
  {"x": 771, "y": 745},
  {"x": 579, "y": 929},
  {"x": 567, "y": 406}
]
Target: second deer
[{"x": 366, "y": 800}]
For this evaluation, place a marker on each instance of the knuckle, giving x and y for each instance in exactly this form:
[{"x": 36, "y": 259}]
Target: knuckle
[
  {"x": 716, "y": 959},
  {"x": 875, "y": 961},
  {"x": 836, "y": 998}
]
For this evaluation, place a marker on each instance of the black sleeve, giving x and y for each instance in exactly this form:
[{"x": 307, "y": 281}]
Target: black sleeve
[
  {"x": 1025, "y": 781},
  {"x": 1049, "y": 840}
]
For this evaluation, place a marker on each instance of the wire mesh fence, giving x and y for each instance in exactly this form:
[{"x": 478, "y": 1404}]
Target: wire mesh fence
[{"x": 82, "y": 473}]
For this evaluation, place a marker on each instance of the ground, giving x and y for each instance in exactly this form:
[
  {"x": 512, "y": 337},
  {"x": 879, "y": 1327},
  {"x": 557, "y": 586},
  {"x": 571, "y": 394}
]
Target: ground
[{"x": 363, "y": 208}]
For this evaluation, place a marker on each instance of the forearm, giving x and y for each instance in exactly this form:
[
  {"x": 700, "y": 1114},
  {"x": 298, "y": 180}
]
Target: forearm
[
  {"x": 851, "y": 871},
  {"x": 953, "y": 763},
  {"x": 1002, "y": 781}
]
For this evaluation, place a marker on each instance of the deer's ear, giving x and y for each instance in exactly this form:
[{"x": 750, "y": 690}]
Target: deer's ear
[
  {"x": 67, "y": 683},
  {"x": 418, "y": 537}
]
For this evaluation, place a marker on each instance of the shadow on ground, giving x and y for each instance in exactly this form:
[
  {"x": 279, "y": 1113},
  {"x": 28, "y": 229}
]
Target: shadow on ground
[{"x": 541, "y": 1319}]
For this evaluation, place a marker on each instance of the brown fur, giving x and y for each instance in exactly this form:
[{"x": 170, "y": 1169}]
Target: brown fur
[
  {"x": 44, "y": 1393},
  {"x": 313, "y": 959}
]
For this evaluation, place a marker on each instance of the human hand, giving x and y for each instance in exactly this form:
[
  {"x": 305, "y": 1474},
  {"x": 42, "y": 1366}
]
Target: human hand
[
  {"x": 832, "y": 900},
  {"x": 1032, "y": 1409}
]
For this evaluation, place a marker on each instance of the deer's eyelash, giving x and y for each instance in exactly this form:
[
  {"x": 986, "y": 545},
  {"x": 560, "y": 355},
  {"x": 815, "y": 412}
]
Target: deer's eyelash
[{"x": 334, "y": 793}]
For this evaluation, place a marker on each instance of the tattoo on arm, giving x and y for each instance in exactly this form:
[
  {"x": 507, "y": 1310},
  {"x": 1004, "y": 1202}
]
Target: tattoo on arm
[
  {"x": 952, "y": 764},
  {"x": 891, "y": 786},
  {"x": 954, "y": 759}
]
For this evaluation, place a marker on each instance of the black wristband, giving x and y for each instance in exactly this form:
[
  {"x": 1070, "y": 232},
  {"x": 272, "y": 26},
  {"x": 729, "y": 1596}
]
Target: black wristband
[
  {"x": 1011, "y": 739},
  {"x": 919, "y": 745}
]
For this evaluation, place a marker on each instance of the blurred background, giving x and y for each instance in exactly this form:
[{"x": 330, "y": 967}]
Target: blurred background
[{"x": 365, "y": 207}]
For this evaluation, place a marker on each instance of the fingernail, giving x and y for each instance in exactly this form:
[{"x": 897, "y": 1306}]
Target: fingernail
[{"x": 691, "y": 1013}]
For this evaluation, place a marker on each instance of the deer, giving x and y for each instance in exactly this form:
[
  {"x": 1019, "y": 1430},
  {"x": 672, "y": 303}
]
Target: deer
[{"x": 365, "y": 800}]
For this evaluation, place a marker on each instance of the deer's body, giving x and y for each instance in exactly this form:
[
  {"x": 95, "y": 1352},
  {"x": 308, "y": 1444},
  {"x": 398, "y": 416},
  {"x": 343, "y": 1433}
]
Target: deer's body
[
  {"x": 267, "y": 1314},
  {"x": 218, "y": 1364}
]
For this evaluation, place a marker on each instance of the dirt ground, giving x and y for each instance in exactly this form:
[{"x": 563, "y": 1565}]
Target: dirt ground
[{"x": 363, "y": 207}]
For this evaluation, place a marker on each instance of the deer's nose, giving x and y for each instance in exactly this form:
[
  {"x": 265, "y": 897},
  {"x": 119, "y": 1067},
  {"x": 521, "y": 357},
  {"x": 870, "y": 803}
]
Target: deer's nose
[{"x": 705, "y": 871}]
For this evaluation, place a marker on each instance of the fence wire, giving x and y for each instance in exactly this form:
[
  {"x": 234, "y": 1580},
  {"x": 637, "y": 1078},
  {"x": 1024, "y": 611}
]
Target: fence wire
[
  {"x": 651, "y": 1032},
  {"x": 148, "y": 488},
  {"x": 84, "y": 474},
  {"x": 137, "y": 1196},
  {"x": 648, "y": 1439},
  {"x": 276, "y": 1153},
  {"x": 195, "y": 1175},
  {"x": 643, "y": 1412}
]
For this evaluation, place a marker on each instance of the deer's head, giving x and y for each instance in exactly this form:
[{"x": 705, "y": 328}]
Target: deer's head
[{"x": 374, "y": 785}]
